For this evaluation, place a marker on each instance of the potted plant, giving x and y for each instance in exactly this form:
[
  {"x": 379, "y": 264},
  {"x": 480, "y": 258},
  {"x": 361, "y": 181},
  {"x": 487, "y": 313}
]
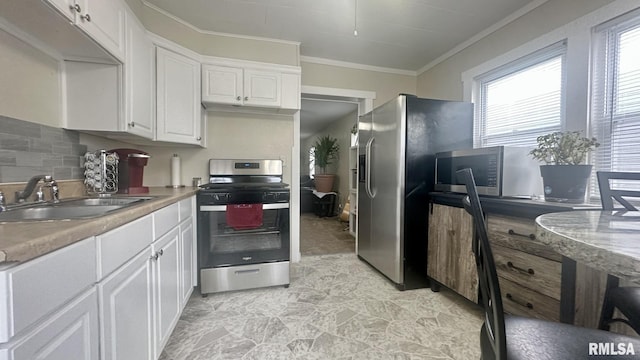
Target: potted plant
[
  {"x": 325, "y": 151},
  {"x": 565, "y": 175}
]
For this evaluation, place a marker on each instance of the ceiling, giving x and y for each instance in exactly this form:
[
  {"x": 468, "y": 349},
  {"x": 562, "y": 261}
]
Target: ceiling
[
  {"x": 316, "y": 115},
  {"x": 397, "y": 34}
]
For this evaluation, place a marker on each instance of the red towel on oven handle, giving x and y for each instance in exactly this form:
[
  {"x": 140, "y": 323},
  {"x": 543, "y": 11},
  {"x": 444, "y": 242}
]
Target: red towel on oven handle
[{"x": 244, "y": 216}]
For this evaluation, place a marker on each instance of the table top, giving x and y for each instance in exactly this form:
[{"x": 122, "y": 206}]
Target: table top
[{"x": 605, "y": 240}]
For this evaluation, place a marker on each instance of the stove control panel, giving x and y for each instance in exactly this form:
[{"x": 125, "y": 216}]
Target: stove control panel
[{"x": 208, "y": 197}]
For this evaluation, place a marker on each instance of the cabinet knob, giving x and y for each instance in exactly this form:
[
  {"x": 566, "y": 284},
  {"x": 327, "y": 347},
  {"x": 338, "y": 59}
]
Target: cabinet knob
[
  {"x": 199, "y": 138},
  {"x": 154, "y": 256},
  {"x": 238, "y": 98},
  {"x": 246, "y": 98},
  {"x": 75, "y": 8},
  {"x": 161, "y": 252},
  {"x": 132, "y": 124},
  {"x": 86, "y": 17}
]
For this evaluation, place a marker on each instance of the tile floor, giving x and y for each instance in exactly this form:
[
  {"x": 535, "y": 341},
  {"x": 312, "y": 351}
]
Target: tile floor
[
  {"x": 324, "y": 235},
  {"x": 337, "y": 307}
]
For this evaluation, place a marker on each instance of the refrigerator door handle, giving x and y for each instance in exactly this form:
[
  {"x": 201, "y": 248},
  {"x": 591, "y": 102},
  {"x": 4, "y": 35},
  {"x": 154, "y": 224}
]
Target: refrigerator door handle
[{"x": 368, "y": 165}]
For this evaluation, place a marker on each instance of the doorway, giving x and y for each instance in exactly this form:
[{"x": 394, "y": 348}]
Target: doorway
[{"x": 325, "y": 218}]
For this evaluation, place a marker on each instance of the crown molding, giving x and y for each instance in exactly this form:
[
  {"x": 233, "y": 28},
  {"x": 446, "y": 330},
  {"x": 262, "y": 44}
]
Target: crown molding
[
  {"x": 486, "y": 32},
  {"x": 206, "y": 32},
  {"x": 345, "y": 64}
]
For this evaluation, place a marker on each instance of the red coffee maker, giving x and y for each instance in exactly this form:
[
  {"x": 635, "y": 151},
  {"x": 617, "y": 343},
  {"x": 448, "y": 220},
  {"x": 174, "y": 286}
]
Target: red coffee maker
[{"x": 130, "y": 170}]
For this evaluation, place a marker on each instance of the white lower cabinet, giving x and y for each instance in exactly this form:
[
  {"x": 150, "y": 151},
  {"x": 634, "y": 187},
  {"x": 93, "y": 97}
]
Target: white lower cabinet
[
  {"x": 126, "y": 310},
  {"x": 166, "y": 286},
  {"x": 70, "y": 333},
  {"x": 117, "y": 297}
]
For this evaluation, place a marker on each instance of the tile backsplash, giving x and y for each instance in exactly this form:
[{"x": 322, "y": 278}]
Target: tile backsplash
[{"x": 28, "y": 149}]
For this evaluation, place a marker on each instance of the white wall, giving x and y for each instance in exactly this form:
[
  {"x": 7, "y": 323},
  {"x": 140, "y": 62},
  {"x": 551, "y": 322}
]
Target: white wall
[
  {"x": 229, "y": 135},
  {"x": 29, "y": 83}
]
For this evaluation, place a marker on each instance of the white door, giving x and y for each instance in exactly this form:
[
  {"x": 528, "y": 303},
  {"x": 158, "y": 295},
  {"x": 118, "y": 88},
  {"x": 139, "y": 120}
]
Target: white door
[
  {"x": 187, "y": 257},
  {"x": 222, "y": 84},
  {"x": 178, "y": 98},
  {"x": 126, "y": 307},
  {"x": 104, "y": 22},
  {"x": 65, "y": 7},
  {"x": 167, "y": 286},
  {"x": 70, "y": 333},
  {"x": 262, "y": 88},
  {"x": 139, "y": 72}
]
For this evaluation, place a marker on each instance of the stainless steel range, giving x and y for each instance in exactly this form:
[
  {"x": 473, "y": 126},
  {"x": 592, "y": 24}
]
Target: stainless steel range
[{"x": 243, "y": 226}]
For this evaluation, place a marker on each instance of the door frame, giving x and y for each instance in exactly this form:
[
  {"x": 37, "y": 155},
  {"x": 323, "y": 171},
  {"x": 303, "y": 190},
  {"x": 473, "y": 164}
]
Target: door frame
[{"x": 364, "y": 99}]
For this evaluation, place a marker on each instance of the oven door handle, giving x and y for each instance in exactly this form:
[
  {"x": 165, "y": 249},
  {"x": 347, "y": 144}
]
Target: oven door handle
[{"x": 264, "y": 207}]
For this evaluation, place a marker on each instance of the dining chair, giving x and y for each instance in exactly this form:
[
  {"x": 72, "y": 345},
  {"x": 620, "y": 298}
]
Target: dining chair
[
  {"x": 504, "y": 336},
  {"x": 625, "y": 299}
]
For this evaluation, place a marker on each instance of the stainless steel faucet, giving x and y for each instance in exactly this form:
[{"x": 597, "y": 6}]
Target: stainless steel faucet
[{"x": 22, "y": 196}]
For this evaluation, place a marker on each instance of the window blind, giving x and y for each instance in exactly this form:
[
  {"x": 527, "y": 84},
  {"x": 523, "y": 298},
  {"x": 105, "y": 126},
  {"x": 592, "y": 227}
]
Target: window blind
[
  {"x": 615, "y": 110},
  {"x": 522, "y": 100}
]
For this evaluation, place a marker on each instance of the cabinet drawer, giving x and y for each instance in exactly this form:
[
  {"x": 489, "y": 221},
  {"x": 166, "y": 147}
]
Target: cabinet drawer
[
  {"x": 519, "y": 300},
  {"x": 533, "y": 272},
  {"x": 517, "y": 233},
  {"x": 36, "y": 288},
  {"x": 165, "y": 219},
  {"x": 186, "y": 208},
  {"x": 119, "y": 245}
]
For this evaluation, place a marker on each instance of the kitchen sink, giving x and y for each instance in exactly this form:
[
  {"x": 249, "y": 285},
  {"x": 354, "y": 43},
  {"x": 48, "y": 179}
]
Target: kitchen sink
[{"x": 78, "y": 208}]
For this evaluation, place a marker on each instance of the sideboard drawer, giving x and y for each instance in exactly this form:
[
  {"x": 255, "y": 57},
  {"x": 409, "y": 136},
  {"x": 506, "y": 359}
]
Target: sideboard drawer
[
  {"x": 534, "y": 272},
  {"x": 517, "y": 233},
  {"x": 519, "y": 300}
]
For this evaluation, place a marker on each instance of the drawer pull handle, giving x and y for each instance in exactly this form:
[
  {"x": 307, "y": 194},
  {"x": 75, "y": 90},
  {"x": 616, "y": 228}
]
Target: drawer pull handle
[
  {"x": 526, "y": 271},
  {"x": 250, "y": 271},
  {"x": 530, "y": 236},
  {"x": 527, "y": 305}
]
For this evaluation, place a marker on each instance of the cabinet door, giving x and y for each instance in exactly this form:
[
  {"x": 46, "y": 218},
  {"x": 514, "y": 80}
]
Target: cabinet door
[
  {"x": 139, "y": 70},
  {"x": 450, "y": 259},
  {"x": 262, "y": 88},
  {"x": 103, "y": 21},
  {"x": 178, "y": 98},
  {"x": 222, "y": 84},
  {"x": 187, "y": 260},
  {"x": 70, "y": 333},
  {"x": 126, "y": 308},
  {"x": 167, "y": 286},
  {"x": 65, "y": 7}
]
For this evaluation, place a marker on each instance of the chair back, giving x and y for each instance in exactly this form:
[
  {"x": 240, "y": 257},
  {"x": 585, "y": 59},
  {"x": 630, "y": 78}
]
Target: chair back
[
  {"x": 608, "y": 192},
  {"x": 488, "y": 277}
]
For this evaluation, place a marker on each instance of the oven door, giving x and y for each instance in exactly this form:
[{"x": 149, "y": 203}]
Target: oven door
[{"x": 222, "y": 244}]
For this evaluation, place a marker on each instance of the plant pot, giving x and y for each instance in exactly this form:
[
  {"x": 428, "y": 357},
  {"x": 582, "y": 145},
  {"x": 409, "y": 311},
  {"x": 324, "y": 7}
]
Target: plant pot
[
  {"x": 324, "y": 182},
  {"x": 565, "y": 183}
]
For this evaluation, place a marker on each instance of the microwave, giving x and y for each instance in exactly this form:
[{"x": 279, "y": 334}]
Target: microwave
[{"x": 503, "y": 171}]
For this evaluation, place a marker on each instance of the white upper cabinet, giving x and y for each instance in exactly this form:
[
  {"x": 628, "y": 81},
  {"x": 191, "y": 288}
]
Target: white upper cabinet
[
  {"x": 178, "y": 116},
  {"x": 222, "y": 84},
  {"x": 102, "y": 20},
  {"x": 139, "y": 75},
  {"x": 254, "y": 85}
]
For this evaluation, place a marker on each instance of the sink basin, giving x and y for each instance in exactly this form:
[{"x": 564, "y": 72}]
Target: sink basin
[
  {"x": 81, "y": 208},
  {"x": 107, "y": 201},
  {"x": 57, "y": 212}
]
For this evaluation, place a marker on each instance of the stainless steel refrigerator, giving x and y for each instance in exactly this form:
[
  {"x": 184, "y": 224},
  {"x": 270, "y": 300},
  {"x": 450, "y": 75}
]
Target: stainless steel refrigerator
[{"x": 397, "y": 144}]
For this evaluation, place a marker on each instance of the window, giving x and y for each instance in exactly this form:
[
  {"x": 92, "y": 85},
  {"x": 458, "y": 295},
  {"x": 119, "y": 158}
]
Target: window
[
  {"x": 521, "y": 100},
  {"x": 312, "y": 161},
  {"x": 615, "y": 101}
]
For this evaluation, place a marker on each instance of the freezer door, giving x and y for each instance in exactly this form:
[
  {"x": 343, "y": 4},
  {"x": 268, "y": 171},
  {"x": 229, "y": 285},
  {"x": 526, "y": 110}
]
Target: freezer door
[
  {"x": 364, "y": 199},
  {"x": 386, "y": 184}
]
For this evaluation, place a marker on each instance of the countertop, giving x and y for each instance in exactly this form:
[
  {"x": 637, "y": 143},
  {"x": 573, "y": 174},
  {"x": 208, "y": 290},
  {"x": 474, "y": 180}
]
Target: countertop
[
  {"x": 606, "y": 240},
  {"x": 22, "y": 241},
  {"x": 511, "y": 206}
]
